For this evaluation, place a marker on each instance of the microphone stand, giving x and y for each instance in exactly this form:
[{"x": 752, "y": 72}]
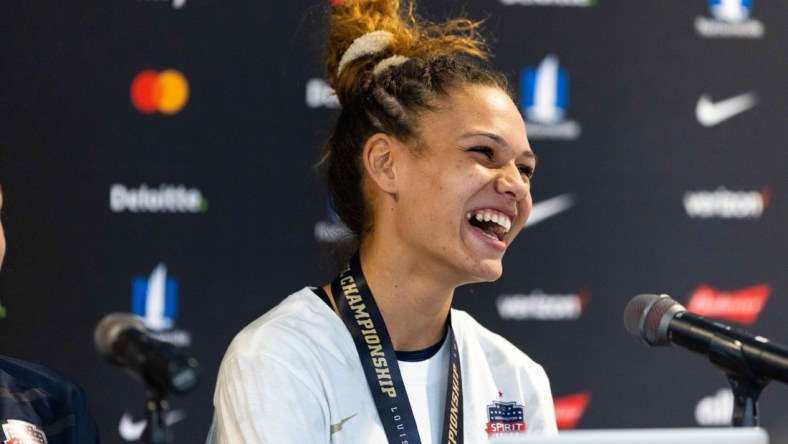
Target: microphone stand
[
  {"x": 156, "y": 430},
  {"x": 746, "y": 385}
]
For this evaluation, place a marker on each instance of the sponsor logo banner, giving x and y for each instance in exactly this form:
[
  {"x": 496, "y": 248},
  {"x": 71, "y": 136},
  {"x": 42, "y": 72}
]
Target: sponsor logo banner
[
  {"x": 165, "y": 92},
  {"x": 155, "y": 300},
  {"x": 715, "y": 410},
  {"x": 544, "y": 92},
  {"x": 726, "y": 204},
  {"x": 731, "y": 19},
  {"x": 176, "y": 4},
  {"x": 742, "y": 306},
  {"x": 569, "y": 409},
  {"x": 711, "y": 113},
  {"x": 540, "y": 306},
  {"x": 131, "y": 430},
  {"x": 166, "y": 198},
  {"x": 320, "y": 95}
]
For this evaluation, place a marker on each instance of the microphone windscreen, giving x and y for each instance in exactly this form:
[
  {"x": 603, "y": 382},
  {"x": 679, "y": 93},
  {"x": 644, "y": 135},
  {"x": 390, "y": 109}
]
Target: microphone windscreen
[
  {"x": 108, "y": 330},
  {"x": 644, "y": 317}
]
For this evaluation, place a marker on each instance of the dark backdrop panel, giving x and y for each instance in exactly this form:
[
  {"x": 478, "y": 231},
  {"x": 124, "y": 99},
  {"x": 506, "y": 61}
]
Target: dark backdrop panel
[{"x": 248, "y": 137}]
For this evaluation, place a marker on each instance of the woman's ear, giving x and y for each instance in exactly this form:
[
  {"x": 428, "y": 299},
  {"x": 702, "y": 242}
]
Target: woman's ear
[{"x": 380, "y": 155}]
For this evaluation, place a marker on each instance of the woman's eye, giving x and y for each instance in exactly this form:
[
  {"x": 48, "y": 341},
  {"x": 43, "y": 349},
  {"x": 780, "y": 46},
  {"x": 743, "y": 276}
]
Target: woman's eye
[
  {"x": 486, "y": 150},
  {"x": 526, "y": 171}
]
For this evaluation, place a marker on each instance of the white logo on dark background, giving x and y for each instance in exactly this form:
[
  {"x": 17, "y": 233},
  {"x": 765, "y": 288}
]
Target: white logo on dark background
[
  {"x": 319, "y": 94},
  {"x": 713, "y": 113},
  {"x": 540, "y": 306},
  {"x": 725, "y": 204},
  {"x": 132, "y": 430},
  {"x": 716, "y": 409},
  {"x": 164, "y": 199},
  {"x": 546, "y": 209},
  {"x": 176, "y": 4}
]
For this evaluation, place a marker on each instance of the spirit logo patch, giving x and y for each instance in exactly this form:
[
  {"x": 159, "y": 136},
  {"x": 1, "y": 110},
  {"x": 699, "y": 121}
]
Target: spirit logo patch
[
  {"x": 505, "y": 417},
  {"x": 21, "y": 432}
]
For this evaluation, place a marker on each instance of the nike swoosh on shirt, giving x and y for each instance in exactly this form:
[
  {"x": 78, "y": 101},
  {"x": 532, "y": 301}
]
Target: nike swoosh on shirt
[
  {"x": 713, "y": 113},
  {"x": 131, "y": 430},
  {"x": 549, "y": 208},
  {"x": 338, "y": 426}
]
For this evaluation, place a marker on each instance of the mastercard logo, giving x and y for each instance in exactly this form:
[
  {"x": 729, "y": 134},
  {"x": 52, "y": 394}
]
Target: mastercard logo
[{"x": 166, "y": 91}]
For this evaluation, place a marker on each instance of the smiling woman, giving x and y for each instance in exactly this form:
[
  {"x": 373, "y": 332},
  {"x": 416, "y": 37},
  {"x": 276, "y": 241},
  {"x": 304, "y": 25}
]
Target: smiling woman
[{"x": 430, "y": 167}]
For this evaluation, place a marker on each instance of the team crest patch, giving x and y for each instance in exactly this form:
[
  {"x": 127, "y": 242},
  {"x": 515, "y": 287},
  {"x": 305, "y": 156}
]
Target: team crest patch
[
  {"x": 21, "y": 432},
  {"x": 505, "y": 417}
]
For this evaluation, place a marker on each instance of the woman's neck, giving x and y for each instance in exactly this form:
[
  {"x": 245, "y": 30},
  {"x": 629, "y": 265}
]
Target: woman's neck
[{"x": 414, "y": 304}]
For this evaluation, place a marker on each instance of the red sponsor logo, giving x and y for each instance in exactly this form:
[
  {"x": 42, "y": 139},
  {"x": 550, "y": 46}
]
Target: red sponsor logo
[
  {"x": 166, "y": 91},
  {"x": 742, "y": 306},
  {"x": 569, "y": 409}
]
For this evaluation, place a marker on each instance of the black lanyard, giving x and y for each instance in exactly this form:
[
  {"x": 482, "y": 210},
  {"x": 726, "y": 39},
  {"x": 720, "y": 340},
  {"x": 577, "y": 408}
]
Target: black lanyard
[{"x": 361, "y": 316}]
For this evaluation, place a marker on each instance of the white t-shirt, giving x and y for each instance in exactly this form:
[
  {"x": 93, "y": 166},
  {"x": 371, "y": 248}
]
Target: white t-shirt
[{"x": 294, "y": 376}]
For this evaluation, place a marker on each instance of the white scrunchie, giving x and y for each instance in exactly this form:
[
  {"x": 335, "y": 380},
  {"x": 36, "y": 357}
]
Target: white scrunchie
[
  {"x": 388, "y": 62},
  {"x": 368, "y": 44}
]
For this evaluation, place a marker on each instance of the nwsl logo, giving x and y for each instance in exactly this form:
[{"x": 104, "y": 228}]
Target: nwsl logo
[
  {"x": 731, "y": 11},
  {"x": 155, "y": 300},
  {"x": 731, "y": 19},
  {"x": 544, "y": 93}
]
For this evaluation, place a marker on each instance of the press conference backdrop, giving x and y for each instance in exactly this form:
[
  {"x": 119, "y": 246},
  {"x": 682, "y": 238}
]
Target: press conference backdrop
[{"x": 158, "y": 157}]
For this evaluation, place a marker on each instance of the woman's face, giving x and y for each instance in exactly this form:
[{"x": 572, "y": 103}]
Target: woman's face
[{"x": 466, "y": 194}]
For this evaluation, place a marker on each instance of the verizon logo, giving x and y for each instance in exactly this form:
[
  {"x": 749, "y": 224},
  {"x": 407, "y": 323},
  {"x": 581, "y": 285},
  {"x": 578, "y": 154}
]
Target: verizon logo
[
  {"x": 569, "y": 409},
  {"x": 742, "y": 306},
  {"x": 541, "y": 306},
  {"x": 725, "y": 204}
]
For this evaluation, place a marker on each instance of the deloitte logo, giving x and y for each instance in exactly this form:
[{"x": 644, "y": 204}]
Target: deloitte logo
[
  {"x": 731, "y": 19},
  {"x": 724, "y": 204},
  {"x": 540, "y": 306},
  {"x": 544, "y": 93},
  {"x": 581, "y": 3},
  {"x": 320, "y": 95},
  {"x": 164, "y": 199},
  {"x": 165, "y": 92}
]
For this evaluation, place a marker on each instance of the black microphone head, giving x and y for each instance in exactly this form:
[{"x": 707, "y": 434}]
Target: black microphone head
[
  {"x": 647, "y": 316},
  {"x": 108, "y": 330}
]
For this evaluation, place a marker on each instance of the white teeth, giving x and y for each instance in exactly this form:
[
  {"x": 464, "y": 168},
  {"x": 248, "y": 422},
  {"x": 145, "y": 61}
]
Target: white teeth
[{"x": 489, "y": 216}]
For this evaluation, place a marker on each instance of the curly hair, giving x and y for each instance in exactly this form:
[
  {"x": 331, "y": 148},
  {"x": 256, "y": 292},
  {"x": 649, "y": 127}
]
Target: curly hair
[{"x": 391, "y": 101}]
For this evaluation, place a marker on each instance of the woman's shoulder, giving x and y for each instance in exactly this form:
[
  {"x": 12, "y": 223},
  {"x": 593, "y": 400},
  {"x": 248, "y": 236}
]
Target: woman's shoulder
[
  {"x": 301, "y": 323},
  {"x": 496, "y": 348}
]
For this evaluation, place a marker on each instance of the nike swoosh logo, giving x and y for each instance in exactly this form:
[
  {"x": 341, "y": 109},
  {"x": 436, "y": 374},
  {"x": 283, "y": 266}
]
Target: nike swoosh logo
[
  {"x": 338, "y": 426},
  {"x": 131, "y": 430},
  {"x": 710, "y": 113},
  {"x": 549, "y": 208}
]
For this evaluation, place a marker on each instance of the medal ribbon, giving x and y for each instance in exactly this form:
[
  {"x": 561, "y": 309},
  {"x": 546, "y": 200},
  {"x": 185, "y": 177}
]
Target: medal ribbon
[{"x": 361, "y": 316}]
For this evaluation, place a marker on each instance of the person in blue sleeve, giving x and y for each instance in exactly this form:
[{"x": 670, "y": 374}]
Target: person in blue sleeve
[{"x": 38, "y": 405}]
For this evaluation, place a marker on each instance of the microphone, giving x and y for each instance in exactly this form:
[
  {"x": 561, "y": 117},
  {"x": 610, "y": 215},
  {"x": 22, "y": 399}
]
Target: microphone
[
  {"x": 122, "y": 339},
  {"x": 661, "y": 321}
]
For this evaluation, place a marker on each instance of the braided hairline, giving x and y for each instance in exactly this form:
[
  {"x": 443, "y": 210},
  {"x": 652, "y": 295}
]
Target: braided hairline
[{"x": 391, "y": 102}]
